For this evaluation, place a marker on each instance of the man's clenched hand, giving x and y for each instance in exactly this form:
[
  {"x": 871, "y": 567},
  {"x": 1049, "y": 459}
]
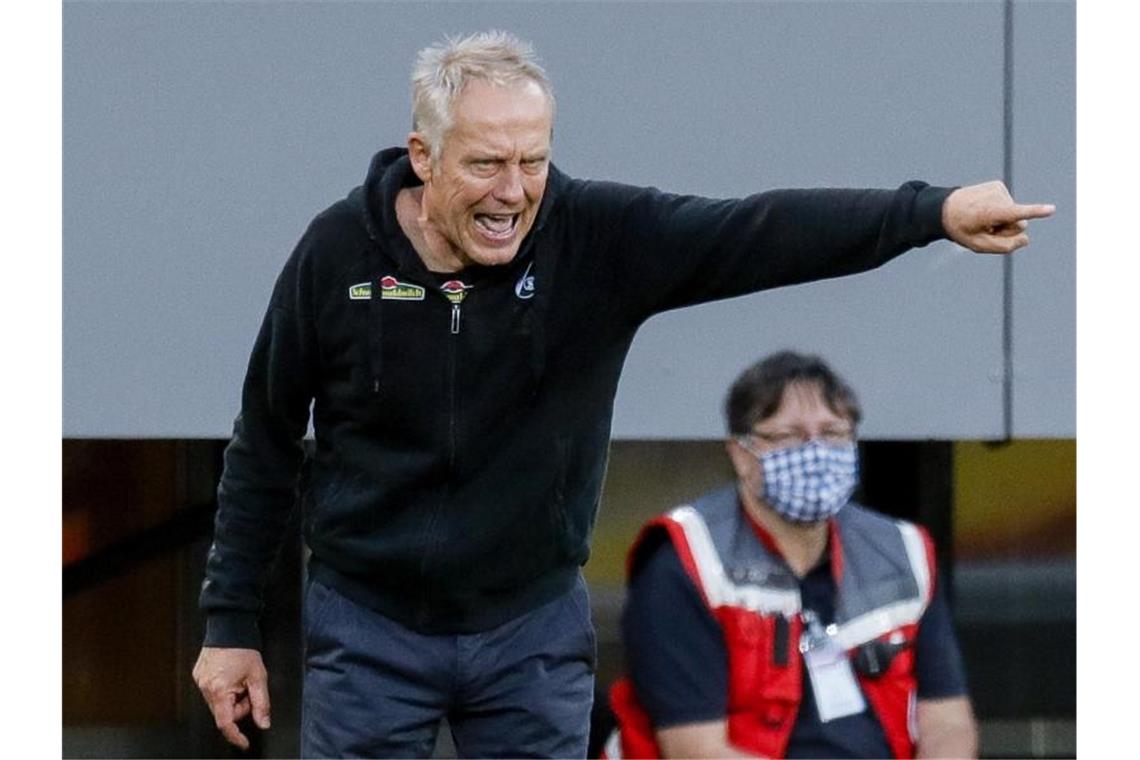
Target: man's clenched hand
[
  {"x": 985, "y": 219},
  {"x": 234, "y": 683}
]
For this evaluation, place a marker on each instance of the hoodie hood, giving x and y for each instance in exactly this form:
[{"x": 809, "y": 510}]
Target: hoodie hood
[{"x": 375, "y": 201}]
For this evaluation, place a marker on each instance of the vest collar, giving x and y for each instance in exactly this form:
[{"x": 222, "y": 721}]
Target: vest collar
[{"x": 834, "y": 543}]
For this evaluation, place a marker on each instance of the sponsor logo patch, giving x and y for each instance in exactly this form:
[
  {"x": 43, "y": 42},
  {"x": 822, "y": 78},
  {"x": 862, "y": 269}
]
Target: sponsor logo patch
[
  {"x": 524, "y": 288},
  {"x": 360, "y": 292},
  {"x": 391, "y": 288},
  {"x": 455, "y": 290}
]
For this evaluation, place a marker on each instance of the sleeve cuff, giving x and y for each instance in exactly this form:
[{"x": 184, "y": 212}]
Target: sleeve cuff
[
  {"x": 928, "y": 213},
  {"x": 232, "y": 630}
]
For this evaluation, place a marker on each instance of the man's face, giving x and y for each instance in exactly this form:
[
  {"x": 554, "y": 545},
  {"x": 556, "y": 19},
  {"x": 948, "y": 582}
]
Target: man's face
[
  {"x": 803, "y": 415},
  {"x": 483, "y": 193}
]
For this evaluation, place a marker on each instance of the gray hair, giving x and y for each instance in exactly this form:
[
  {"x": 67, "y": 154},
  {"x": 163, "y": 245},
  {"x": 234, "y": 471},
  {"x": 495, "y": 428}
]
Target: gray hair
[{"x": 443, "y": 70}]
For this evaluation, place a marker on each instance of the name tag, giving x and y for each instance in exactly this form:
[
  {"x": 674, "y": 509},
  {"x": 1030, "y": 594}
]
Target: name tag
[{"x": 833, "y": 681}]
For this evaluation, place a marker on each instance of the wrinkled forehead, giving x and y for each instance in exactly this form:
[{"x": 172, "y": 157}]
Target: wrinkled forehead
[
  {"x": 505, "y": 136},
  {"x": 483, "y": 106}
]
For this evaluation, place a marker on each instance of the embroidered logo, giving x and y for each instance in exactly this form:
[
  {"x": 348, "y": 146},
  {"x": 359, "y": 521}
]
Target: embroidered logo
[
  {"x": 455, "y": 290},
  {"x": 393, "y": 289},
  {"x": 360, "y": 292},
  {"x": 524, "y": 288}
]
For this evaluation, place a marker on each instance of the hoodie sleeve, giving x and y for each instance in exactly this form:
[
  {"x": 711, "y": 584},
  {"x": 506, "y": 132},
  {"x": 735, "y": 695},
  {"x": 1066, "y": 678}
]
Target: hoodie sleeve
[
  {"x": 668, "y": 251},
  {"x": 259, "y": 483}
]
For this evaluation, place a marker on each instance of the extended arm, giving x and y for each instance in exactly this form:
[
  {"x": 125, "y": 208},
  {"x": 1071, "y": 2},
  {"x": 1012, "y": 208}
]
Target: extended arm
[
  {"x": 668, "y": 250},
  {"x": 683, "y": 250}
]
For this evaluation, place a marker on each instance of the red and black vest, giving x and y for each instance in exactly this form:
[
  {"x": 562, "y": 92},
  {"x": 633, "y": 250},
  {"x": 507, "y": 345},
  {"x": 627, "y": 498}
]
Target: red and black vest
[{"x": 884, "y": 576}]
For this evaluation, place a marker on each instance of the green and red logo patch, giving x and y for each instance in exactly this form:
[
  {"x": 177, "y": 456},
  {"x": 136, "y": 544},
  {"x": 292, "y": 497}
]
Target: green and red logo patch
[
  {"x": 390, "y": 288},
  {"x": 455, "y": 290}
]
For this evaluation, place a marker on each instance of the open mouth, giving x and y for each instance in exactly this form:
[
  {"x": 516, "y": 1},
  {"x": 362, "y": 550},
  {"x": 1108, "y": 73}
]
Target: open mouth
[{"x": 497, "y": 226}]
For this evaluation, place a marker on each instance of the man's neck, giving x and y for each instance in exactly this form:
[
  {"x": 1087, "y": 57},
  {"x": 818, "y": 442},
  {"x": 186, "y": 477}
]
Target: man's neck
[
  {"x": 432, "y": 248},
  {"x": 801, "y": 545}
]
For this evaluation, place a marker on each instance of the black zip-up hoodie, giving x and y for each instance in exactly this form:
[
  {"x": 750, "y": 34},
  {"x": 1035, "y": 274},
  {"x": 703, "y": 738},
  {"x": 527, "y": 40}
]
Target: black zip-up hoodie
[{"x": 462, "y": 436}]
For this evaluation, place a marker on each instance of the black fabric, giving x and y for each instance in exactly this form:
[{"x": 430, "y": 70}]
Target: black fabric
[
  {"x": 942, "y": 673},
  {"x": 677, "y": 660},
  {"x": 456, "y": 475}
]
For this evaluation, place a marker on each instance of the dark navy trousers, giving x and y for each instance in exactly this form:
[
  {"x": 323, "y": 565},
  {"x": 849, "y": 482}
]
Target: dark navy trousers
[{"x": 374, "y": 688}]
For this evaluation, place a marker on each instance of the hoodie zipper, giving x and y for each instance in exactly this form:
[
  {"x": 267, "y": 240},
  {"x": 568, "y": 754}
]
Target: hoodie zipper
[
  {"x": 452, "y": 372},
  {"x": 452, "y": 447},
  {"x": 455, "y": 298}
]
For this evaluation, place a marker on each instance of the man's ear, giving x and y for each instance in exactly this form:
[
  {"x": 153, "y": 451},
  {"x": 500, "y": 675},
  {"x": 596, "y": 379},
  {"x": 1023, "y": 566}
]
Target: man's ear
[
  {"x": 743, "y": 461},
  {"x": 749, "y": 471},
  {"x": 420, "y": 154}
]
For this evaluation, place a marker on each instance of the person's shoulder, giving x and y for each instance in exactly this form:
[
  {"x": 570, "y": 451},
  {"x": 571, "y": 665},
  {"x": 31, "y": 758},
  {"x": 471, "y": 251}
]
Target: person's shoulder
[
  {"x": 653, "y": 539},
  {"x": 342, "y": 219},
  {"x": 713, "y": 516},
  {"x": 351, "y": 224},
  {"x": 858, "y": 518},
  {"x": 666, "y": 527},
  {"x": 718, "y": 506},
  {"x": 875, "y": 527},
  {"x": 334, "y": 239},
  {"x": 595, "y": 194},
  {"x": 864, "y": 515}
]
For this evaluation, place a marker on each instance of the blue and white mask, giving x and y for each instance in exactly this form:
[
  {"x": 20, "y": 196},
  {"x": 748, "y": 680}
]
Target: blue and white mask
[{"x": 810, "y": 482}]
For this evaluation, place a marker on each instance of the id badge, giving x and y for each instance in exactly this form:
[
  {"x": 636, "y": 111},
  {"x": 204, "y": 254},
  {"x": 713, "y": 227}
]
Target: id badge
[{"x": 833, "y": 682}]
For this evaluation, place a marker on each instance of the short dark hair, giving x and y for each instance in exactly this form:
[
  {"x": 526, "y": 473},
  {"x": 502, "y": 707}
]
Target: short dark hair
[{"x": 757, "y": 392}]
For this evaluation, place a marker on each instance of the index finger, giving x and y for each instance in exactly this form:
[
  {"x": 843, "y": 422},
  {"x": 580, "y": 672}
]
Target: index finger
[{"x": 1029, "y": 211}]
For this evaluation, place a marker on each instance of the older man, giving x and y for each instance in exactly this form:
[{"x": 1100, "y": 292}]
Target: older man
[
  {"x": 458, "y": 324},
  {"x": 776, "y": 618}
]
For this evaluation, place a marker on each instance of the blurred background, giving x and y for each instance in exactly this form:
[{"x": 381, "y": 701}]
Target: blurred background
[{"x": 200, "y": 139}]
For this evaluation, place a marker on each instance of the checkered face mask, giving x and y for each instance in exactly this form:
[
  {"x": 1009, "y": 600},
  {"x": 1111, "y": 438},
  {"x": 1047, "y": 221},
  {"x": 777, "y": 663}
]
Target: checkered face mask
[{"x": 810, "y": 482}]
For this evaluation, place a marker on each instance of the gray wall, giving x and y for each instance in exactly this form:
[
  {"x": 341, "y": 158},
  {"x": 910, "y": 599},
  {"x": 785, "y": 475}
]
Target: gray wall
[
  {"x": 1044, "y": 165},
  {"x": 200, "y": 138}
]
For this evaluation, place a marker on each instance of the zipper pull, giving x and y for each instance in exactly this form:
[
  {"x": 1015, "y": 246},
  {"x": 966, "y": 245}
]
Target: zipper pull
[{"x": 455, "y": 290}]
